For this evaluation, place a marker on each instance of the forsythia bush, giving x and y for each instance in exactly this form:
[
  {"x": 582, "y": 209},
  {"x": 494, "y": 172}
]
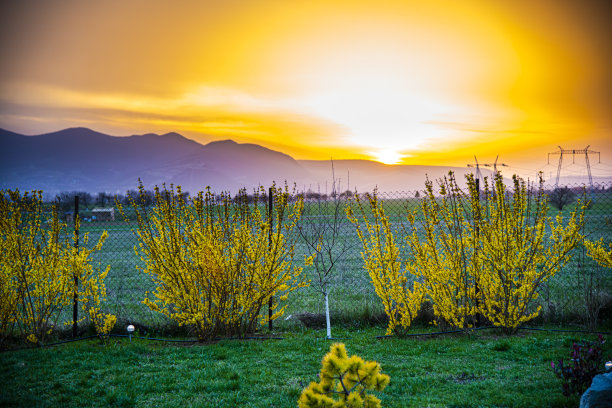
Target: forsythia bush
[
  {"x": 520, "y": 248},
  {"x": 444, "y": 247},
  {"x": 401, "y": 298},
  {"x": 38, "y": 269},
  {"x": 217, "y": 260},
  {"x": 93, "y": 290},
  {"x": 344, "y": 382},
  {"x": 484, "y": 252},
  {"x": 597, "y": 250}
]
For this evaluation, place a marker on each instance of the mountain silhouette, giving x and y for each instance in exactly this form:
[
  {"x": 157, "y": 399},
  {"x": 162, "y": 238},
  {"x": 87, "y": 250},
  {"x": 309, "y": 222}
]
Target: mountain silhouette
[
  {"x": 82, "y": 159},
  {"x": 85, "y": 160}
]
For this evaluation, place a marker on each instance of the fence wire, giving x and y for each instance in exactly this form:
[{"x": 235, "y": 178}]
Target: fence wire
[{"x": 581, "y": 292}]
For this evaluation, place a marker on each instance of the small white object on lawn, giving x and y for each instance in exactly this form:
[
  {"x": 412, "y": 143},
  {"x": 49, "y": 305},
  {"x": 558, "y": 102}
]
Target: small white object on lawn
[{"x": 130, "y": 330}]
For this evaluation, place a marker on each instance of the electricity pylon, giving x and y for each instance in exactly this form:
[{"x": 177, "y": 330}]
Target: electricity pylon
[
  {"x": 477, "y": 165},
  {"x": 478, "y": 174},
  {"x": 574, "y": 152},
  {"x": 494, "y": 164}
]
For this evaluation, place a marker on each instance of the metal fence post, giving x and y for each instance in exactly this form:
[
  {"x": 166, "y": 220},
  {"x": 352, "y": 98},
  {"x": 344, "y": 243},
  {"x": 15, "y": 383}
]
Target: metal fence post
[
  {"x": 270, "y": 208},
  {"x": 476, "y": 243},
  {"x": 75, "y": 306}
]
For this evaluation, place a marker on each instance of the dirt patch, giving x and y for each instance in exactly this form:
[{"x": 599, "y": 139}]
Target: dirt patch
[
  {"x": 312, "y": 320},
  {"x": 465, "y": 378}
]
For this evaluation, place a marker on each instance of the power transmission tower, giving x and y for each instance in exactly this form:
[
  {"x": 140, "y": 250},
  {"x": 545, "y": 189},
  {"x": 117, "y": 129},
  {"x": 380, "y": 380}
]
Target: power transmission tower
[
  {"x": 494, "y": 165},
  {"x": 478, "y": 174},
  {"x": 574, "y": 152}
]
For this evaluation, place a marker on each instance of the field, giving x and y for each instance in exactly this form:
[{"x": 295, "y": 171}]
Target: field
[
  {"x": 352, "y": 296},
  {"x": 481, "y": 370}
]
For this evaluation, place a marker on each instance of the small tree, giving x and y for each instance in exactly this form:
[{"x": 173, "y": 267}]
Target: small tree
[
  {"x": 561, "y": 196},
  {"x": 322, "y": 233},
  {"x": 344, "y": 382},
  {"x": 216, "y": 263}
]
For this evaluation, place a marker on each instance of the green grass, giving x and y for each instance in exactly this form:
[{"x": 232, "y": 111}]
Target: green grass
[{"x": 482, "y": 370}]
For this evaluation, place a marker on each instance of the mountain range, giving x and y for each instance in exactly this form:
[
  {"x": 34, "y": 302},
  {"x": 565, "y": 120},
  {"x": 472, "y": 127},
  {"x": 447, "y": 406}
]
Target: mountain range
[{"x": 80, "y": 159}]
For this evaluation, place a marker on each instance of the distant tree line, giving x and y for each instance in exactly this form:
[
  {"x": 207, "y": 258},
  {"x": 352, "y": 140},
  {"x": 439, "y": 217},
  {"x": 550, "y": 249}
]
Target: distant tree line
[
  {"x": 559, "y": 197},
  {"x": 65, "y": 199},
  {"x": 313, "y": 195}
]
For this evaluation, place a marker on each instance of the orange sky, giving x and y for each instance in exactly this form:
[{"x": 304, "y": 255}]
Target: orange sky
[{"x": 415, "y": 82}]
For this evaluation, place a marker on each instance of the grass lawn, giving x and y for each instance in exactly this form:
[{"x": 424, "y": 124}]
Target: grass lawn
[{"x": 482, "y": 370}]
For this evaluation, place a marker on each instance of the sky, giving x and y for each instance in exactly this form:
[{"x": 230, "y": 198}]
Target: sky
[{"x": 401, "y": 82}]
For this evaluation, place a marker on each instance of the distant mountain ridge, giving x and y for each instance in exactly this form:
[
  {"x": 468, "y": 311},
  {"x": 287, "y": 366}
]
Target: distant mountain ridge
[{"x": 85, "y": 160}]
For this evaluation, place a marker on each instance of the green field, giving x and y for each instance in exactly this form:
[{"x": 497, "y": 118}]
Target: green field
[
  {"x": 481, "y": 370},
  {"x": 352, "y": 296}
]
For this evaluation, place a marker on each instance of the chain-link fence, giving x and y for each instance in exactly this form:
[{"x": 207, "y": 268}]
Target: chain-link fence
[{"x": 579, "y": 293}]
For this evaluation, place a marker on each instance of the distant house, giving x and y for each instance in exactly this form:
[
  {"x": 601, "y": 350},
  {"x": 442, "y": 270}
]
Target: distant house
[{"x": 103, "y": 214}]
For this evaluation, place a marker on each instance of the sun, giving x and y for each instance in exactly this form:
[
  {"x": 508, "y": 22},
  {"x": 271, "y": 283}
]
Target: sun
[
  {"x": 379, "y": 111},
  {"x": 387, "y": 156}
]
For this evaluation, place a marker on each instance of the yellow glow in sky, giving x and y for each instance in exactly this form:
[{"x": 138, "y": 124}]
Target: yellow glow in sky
[{"x": 412, "y": 82}]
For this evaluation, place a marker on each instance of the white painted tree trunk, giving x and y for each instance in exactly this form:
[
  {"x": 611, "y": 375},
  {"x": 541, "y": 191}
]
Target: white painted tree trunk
[{"x": 327, "y": 321}]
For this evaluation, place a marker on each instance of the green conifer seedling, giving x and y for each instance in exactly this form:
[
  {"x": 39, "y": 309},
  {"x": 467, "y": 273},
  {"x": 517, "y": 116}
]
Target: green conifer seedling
[{"x": 344, "y": 381}]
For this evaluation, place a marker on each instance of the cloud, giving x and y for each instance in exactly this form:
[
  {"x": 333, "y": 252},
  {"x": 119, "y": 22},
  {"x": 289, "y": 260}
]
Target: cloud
[{"x": 215, "y": 112}]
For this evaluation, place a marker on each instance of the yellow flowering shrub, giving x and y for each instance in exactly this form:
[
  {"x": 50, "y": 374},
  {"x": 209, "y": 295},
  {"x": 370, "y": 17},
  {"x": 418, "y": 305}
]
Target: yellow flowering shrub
[
  {"x": 489, "y": 251},
  {"x": 344, "y": 382},
  {"x": 217, "y": 261},
  {"x": 442, "y": 242},
  {"x": 521, "y": 247},
  {"x": 39, "y": 266},
  {"x": 597, "y": 250},
  {"x": 92, "y": 290},
  {"x": 469, "y": 252},
  {"x": 401, "y": 296},
  {"x": 36, "y": 285},
  {"x": 9, "y": 280}
]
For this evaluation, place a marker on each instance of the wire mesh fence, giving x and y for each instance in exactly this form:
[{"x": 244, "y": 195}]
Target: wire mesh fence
[{"x": 580, "y": 292}]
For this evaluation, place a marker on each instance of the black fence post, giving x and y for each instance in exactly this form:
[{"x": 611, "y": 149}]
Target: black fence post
[
  {"x": 270, "y": 208},
  {"x": 75, "y": 306},
  {"x": 479, "y": 317}
]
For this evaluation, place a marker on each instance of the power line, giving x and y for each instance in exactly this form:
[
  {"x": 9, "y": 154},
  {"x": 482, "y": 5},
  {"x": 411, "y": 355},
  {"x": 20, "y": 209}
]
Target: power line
[
  {"x": 494, "y": 165},
  {"x": 574, "y": 152}
]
